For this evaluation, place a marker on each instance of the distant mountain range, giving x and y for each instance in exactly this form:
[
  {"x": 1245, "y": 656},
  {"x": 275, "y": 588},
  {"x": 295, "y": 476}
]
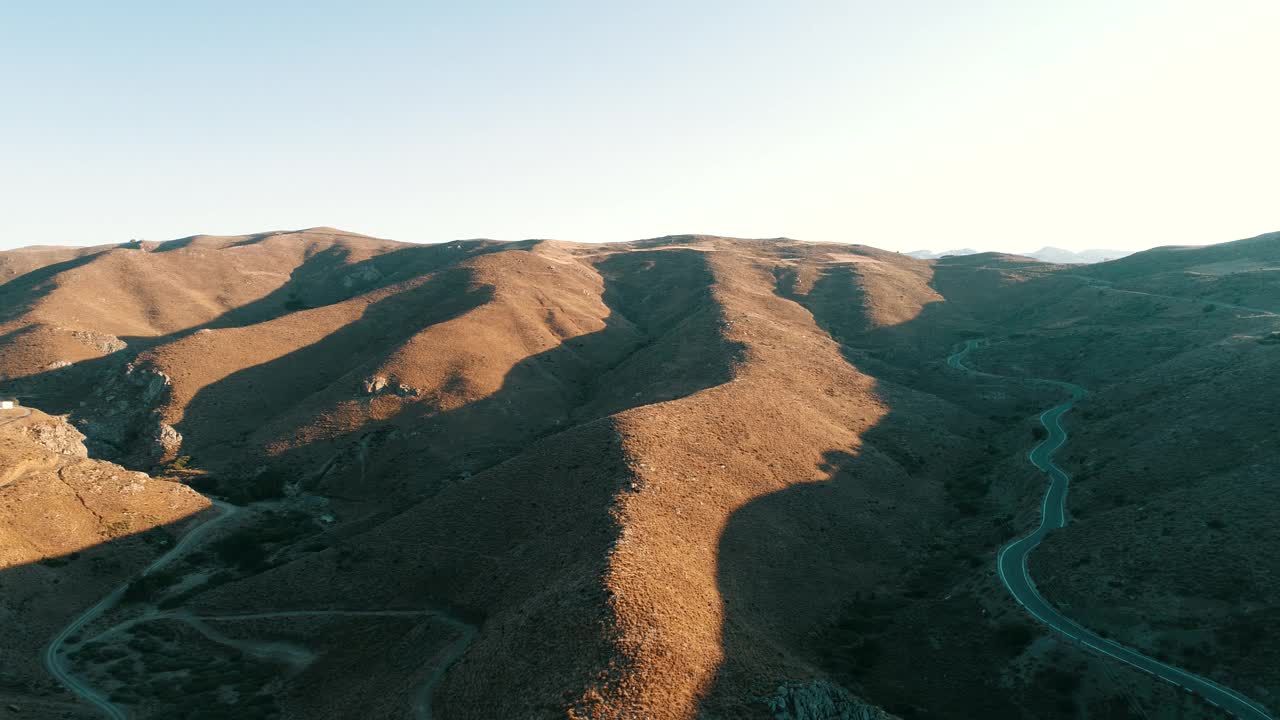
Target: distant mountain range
[{"x": 1048, "y": 254}]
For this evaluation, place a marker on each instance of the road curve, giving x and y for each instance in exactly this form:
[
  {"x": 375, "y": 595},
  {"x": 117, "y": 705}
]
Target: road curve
[
  {"x": 1011, "y": 565},
  {"x": 55, "y": 661},
  {"x": 421, "y": 704}
]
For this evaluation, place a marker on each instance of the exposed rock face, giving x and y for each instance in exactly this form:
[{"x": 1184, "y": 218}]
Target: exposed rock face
[
  {"x": 820, "y": 700},
  {"x": 375, "y": 384},
  {"x": 168, "y": 440},
  {"x": 102, "y": 342},
  {"x": 365, "y": 276},
  {"x": 59, "y": 500},
  {"x": 58, "y": 436},
  {"x": 71, "y": 530},
  {"x": 381, "y": 384},
  {"x": 127, "y": 427}
]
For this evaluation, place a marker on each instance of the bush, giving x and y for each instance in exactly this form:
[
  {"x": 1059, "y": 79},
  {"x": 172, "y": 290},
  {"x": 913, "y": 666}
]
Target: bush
[
  {"x": 242, "y": 549},
  {"x": 1014, "y": 637},
  {"x": 268, "y": 485},
  {"x": 55, "y": 562},
  {"x": 242, "y": 490},
  {"x": 1063, "y": 682},
  {"x": 295, "y": 303},
  {"x": 147, "y": 587}
]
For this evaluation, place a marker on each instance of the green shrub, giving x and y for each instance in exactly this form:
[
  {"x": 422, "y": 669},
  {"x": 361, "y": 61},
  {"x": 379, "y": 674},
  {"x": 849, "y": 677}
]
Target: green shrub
[
  {"x": 148, "y": 587},
  {"x": 242, "y": 549},
  {"x": 55, "y": 562}
]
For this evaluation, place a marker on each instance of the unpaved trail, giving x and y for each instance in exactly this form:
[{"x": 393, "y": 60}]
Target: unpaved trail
[
  {"x": 422, "y": 700},
  {"x": 1109, "y": 286},
  {"x": 297, "y": 656},
  {"x": 26, "y": 412},
  {"x": 290, "y": 654},
  {"x": 1011, "y": 564},
  {"x": 54, "y": 659}
]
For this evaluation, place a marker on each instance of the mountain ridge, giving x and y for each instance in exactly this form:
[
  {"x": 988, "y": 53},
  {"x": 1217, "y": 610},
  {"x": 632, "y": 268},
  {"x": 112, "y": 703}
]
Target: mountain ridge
[{"x": 721, "y": 473}]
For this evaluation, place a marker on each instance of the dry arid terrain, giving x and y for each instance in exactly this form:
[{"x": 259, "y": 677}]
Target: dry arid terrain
[{"x": 335, "y": 476}]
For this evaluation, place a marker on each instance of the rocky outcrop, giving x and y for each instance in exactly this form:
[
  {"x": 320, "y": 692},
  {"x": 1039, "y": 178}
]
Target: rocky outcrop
[
  {"x": 363, "y": 277},
  {"x": 102, "y": 342},
  {"x": 125, "y": 425},
  {"x": 383, "y": 385},
  {"x": 167, "y": 439},
  {"x": 58, "y": 436},
  {"x": 820, "y": 700}
]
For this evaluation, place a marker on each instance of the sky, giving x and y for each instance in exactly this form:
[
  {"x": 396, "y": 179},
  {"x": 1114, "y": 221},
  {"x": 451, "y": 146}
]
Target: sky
[{"x": 998, "y": 125}]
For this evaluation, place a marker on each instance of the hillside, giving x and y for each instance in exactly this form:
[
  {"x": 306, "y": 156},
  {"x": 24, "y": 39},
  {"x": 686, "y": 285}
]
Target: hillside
[
  {"x": 685, "y": 477},
  {"x": 1059, "y": 256},
  {"x": 71, "y": 529}
]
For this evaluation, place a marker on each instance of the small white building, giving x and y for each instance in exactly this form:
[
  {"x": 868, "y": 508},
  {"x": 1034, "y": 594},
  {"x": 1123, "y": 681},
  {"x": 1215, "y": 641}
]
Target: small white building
[{"x": 8, "y": 403}]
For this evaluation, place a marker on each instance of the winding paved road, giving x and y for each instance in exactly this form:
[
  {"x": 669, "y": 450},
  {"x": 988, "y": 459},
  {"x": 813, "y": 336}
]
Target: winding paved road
[{"x": 1011, "y": 564}]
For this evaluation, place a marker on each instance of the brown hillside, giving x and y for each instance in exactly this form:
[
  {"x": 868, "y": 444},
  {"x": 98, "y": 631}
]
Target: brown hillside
[
  {"x": 71, "y": 530},
  {"x": 686, "y": 477}
]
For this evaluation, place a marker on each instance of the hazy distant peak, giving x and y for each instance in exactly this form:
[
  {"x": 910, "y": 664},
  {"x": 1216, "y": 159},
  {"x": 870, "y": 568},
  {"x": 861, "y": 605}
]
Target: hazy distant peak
[
  {"x": 1055, "y": 255},
  {"x": 1070, "y": 257},
  {"x": 930, "y": 255}
]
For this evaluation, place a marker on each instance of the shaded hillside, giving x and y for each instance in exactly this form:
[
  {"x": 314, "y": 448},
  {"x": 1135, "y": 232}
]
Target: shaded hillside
[
  {"x": 685, "y": 477},
  {"x": 1171, "y": 453}
]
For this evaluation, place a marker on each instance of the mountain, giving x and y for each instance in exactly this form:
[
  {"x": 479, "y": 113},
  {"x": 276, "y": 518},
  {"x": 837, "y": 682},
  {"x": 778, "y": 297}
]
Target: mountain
[
  {"x": 72, "y": 530},
  {"x": 1046, "y": 254},
  {"x": 930, "y": 255},
  {"x": 681, "y": 477},
  {"x": 1071, "y": 257}
]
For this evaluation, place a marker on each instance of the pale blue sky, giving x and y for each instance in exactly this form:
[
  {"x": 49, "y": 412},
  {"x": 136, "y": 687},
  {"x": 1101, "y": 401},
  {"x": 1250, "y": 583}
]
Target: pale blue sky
[{"x": 1006, "y": 124}]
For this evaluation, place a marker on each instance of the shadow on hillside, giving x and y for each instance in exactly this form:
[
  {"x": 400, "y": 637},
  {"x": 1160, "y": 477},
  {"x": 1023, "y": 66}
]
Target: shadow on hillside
[
  {"x": 521, "y": 485},
  {"x": 518, "y": 527},
  {"x": 221, "y": 416},
  {"x": 854, "y": 579},
  {"x": 156, "y": 666},
  {"x": 20, "y": 293},
  {"x": 322, "y": 279},
  {"x": 489, "y": 544},
  {"x": 47, "y": 595},
  {"x": 421, "y": 447}
]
